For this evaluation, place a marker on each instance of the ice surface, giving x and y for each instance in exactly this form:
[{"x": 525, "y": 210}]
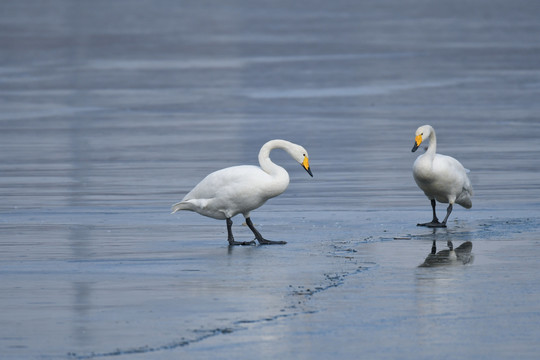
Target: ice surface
[{"x": 112, "y": 111}]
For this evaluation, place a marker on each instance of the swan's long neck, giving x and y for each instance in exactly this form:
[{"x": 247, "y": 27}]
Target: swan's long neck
[
  {"x": 264, "y": 156},
  {"x": 432, "y": 147}
]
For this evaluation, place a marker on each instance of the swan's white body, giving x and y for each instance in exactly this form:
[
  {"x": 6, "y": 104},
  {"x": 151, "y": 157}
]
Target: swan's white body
[
  {"x": 241, "y": 189},
  {"x": 234, "y": 190},
  {"x": 441, "y": 178},
  {"x": 444, "y": 179}
]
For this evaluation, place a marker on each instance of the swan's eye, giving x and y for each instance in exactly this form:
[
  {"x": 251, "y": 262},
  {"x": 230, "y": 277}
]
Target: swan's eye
[{"x": 304, "y": 154}]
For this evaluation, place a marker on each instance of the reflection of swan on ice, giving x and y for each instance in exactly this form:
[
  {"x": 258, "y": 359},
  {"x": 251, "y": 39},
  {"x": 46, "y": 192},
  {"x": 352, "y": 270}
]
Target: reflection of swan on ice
[{"x": 460, "y": 255}]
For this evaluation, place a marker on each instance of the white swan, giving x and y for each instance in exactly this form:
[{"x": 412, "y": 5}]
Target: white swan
[
  {"x": 241, "y": 189},
  {"x": 441, "y": 177}
]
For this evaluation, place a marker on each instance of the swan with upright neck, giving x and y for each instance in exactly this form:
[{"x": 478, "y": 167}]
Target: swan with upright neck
[
  {"x": 240, "y": 189},
  {"x": 441, "y": 177}
]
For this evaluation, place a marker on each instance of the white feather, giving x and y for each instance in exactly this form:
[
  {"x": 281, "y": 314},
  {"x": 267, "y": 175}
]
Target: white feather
[
  {"x": 241, "y": 189},
  {"x": 441, "y": 177}
]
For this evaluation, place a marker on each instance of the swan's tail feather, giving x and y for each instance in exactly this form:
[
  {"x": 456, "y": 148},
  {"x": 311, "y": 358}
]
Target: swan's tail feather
[
  {"x": 464, "y": 198},
  {"x": 465, "y": 202},
  {"x": 180, "y": 206}
]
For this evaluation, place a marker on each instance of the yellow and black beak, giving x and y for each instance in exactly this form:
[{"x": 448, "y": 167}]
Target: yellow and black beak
[
  {"x": 305, "y": 165},
  {"x": 417, "y": 142}
]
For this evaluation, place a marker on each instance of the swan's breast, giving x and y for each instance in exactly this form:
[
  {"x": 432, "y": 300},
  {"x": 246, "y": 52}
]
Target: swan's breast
[{"x": 423, "y": 171}]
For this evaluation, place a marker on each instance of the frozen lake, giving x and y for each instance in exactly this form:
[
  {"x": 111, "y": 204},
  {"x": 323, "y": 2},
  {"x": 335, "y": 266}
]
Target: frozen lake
[{"x": 112, "y": 111}]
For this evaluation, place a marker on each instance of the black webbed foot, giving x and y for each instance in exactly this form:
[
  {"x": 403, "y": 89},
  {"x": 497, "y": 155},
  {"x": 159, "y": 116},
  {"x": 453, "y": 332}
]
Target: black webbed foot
[
  {"x": 243, "y": 243},
  {"x": 433, "y": 224},
  {"x": 258, "y": 236},
  {"x": 263, "y": 241}
]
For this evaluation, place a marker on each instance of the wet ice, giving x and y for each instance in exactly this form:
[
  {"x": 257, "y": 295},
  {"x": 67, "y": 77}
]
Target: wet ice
[{"x": 110, "y": 113}]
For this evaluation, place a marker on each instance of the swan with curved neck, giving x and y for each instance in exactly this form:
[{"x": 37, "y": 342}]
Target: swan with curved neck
[
  {"x": 441, "y": 177},
  {"x": 241, "y": 189}
]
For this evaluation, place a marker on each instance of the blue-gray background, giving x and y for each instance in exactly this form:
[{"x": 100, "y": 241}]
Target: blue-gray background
[{"x": 112, "y": 111}]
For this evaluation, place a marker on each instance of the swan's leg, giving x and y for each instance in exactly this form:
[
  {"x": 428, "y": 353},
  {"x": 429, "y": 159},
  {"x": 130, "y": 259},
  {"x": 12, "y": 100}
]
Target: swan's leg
[
  {"x": 259, "y": 237},
  {"x": 448, "y": 211},
  {"x": 435, "y": 222},
  {"x": 433, "y": 203},
  {"x": 230, "y": 236},
  {"x": 434, "y": 247}
]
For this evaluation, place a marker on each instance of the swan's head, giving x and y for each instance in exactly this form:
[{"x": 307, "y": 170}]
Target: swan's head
[
  {"x": 422, "y": 133},
  {"x": 300, "y": 154}
]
